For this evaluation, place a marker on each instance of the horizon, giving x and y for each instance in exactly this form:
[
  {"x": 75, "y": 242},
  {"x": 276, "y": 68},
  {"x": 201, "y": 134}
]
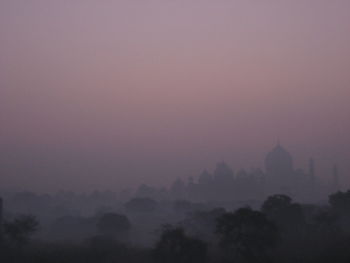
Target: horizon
[{"x": 116, "y": 94}]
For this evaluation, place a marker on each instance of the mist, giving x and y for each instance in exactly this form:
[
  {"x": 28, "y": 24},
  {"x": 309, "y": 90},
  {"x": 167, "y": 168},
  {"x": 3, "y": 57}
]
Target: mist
[
  {"x": 111, "y": 95},
  {"x": 174, "y": 131}
]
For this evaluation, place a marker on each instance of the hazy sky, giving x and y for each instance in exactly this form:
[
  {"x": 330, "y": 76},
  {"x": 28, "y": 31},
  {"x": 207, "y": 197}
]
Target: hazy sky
[{"x": 107, "y": 94}]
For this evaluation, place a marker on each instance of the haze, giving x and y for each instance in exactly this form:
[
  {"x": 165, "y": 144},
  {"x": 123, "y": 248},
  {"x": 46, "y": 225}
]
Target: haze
[{"x": 111, "y": 94}]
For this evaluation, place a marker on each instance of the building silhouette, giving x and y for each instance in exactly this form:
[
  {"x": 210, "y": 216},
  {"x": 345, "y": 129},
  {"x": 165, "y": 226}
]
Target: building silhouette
[{"x": 278, "y": 177}]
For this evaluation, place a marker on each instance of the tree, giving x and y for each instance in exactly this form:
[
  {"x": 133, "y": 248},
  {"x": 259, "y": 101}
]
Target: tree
[
  {"x": 19, "y": 231},
  {"x": 202, "y": 223},
  {"x": 175, "y": 247},
  {"x": 340, "y": 202},
  {"x": 281, "y": 210},
  {"x": 183, "y": 206},
  {"x": 141, "y": 205},
  {"x": 114, "y": 225},
  {"x": 325, "y": 223},
  {"x": 246, "y": 235}
]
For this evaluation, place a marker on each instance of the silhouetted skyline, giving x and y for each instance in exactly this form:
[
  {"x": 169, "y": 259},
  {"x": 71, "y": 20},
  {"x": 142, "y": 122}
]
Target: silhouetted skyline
[{"x": 108, "y": 95}]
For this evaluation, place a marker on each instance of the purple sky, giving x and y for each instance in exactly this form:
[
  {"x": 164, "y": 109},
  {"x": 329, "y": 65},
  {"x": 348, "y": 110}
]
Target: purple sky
[{"x": 109, "y": 94}]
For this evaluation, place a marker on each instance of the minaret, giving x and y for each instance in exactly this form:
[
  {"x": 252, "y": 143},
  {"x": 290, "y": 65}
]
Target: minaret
[
  {"x": 312, "y": 169},
  {"x": 335, "y": 178}
]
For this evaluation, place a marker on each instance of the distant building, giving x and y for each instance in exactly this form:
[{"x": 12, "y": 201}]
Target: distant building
[
  {"x": 279, "y": 162},
  {"x": 280, "y": 177}
]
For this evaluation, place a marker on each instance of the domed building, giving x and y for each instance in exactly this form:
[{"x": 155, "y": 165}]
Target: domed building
[
  {"x": 205, "y": 178},
  {"x": 280, "y": 174},
  {"x": 279, "y": 162},
  {"x": 280, "y": 177},
  {"x": 223, "y": 172}
]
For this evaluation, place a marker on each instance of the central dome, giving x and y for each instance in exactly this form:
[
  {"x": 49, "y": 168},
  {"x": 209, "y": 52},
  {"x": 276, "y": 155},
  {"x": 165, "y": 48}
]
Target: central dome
[{"x": 279, "y": 162}]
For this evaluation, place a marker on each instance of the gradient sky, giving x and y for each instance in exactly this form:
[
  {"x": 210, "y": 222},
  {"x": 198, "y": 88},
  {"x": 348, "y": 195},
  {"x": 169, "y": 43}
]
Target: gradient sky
[{"x": 108, "y": 94}]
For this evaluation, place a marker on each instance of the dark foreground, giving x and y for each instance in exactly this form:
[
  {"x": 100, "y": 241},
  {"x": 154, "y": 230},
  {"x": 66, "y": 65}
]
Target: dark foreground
[{"x": 280, "y": 231}]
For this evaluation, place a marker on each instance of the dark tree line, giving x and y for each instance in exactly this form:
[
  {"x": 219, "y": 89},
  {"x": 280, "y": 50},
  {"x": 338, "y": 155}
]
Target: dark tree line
[{"x": 281, "y": 231}]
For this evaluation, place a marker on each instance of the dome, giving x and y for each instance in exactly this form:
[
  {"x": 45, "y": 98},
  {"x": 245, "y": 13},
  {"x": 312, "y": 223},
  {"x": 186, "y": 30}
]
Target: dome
[
  {"x": 279, "y": 161},
  {"x": 205, "y": 177},
  {"x": 223, "y": 172}
]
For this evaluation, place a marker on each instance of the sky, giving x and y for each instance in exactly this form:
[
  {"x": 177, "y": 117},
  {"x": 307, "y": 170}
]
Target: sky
[{"x": 111, "y": 94}]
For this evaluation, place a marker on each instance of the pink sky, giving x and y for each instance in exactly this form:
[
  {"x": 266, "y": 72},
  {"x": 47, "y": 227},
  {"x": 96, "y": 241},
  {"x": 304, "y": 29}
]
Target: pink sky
[{"x": 110, "y": 94}]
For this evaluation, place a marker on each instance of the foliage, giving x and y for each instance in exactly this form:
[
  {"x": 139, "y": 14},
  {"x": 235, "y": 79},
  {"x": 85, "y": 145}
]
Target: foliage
[
  {"x": 175, "y": 247},
  {"x": 340, "y": 202},
  {"x": 246, "y": 234},
  {"x": 114, "y": 225},
  {"x": 141, "y": 205},
  {"x": 287, "y": 215},
  {"x": 19, "y": 230}
]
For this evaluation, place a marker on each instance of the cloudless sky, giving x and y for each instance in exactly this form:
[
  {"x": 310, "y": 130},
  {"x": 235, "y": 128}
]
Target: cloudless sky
[{"x": 109, "y": 94}]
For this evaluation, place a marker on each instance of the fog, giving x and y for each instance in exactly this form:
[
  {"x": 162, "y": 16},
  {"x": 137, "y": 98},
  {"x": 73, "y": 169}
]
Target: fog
[
  {"x": 110, "y": 95},
  {"x": 174, "y": 131}
]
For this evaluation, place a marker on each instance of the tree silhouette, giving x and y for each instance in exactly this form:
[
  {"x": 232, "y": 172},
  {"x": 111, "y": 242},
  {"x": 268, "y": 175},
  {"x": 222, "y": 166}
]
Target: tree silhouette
[
  {"x": 287, "y": 215},
  {"x": 114, "y": 225},
  {"x": 141, "y": 205},
  {"x": 19, "y": 231},
  {"x": 202, "y": 224},
  {"x": 175, "y": 247},
  {"x": 340, "y": 202},
  {"x": 246, "y": 235}
]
